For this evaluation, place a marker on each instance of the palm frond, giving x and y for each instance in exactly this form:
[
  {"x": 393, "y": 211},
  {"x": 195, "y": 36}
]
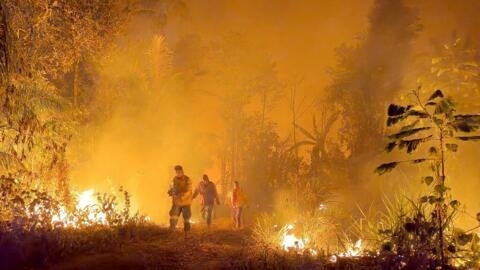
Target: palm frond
[{"x": 305, "y": 132}]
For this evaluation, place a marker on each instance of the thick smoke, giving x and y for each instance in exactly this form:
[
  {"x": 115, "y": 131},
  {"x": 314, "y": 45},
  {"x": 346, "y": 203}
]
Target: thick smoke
[{"x": 160, "y": 88}]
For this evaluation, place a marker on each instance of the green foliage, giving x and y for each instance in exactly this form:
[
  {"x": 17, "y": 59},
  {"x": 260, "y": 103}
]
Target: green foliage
[
  {"x": 386, "y": 167},
  {"x": 406, "y": 232},
  {"x": 36, "y": 125},
  {"x": 428, "y": 222},
  {"x": 439, "y": 121},
  {"x": 50, "y": 38},
  {"x": 455, "y": 68}
]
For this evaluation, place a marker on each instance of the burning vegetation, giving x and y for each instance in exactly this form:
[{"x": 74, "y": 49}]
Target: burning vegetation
[{"x": 99, "y": 99}]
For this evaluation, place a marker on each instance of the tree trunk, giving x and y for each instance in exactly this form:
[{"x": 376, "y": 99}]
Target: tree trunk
[
  {"x": 294, "y": 127},
  {"x": 294, "y": 121},
  {"x": 440, "y": 206},
  {"x": 75, "y": 84},
  {"x": 4, "y": 46}
]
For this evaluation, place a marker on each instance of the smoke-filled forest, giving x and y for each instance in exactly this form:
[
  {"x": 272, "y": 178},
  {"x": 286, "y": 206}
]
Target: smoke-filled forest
[{"x": 229, "y": 134}]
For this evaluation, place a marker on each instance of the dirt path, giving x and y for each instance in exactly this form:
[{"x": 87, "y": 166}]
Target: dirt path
[{"x": 203, "y": 249}]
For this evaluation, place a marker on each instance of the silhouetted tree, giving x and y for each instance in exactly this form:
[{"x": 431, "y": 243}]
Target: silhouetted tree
[{"x": 368, "y": 74}]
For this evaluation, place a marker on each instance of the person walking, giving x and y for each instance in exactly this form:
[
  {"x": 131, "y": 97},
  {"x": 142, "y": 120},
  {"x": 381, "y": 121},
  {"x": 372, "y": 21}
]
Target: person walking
[
  {"x": 209, "y": 196},
  {"x": 181, "y": 193},
  {"x": 238, "y": 203}
]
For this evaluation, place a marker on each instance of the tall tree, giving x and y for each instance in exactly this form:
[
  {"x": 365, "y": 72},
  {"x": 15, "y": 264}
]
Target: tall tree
[
  {"x": 243, "y": 79},
  {"x": 53, "y": 38}
]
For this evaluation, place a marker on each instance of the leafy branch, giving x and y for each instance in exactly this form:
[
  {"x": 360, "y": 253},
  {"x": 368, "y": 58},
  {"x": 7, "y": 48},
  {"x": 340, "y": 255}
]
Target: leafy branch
[{"x": 433, "y": 122}]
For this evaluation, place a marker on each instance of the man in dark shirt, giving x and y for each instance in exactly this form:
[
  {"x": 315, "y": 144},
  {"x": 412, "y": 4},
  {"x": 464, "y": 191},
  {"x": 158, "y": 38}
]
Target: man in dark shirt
[{"x": 208, "y": 191}]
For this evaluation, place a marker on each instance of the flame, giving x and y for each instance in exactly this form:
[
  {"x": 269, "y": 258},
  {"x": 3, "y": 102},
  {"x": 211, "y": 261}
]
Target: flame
[
  {"x": 290, "y": 241},
  {"x": 86, "y": 199},
  {"x": 353, "y": 250},
  {"x": 86, "y": 203},
  {"x": 61, "y": 217}
]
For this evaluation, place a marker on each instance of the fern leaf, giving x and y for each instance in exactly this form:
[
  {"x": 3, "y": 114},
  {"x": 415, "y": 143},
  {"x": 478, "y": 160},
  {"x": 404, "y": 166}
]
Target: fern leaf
[
  {"x": 407, "y": 133},
  {"x": 396, "y": 110},
  {"x": 468, "y": 138},
  {"x": 436, "y": 94},
  {"x": 390, "y": 146},
  {"x": 412, "y": 145},
  {"x": 386, "y": 167}
]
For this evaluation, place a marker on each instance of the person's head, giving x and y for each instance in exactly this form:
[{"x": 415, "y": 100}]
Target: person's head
[
  {"x": 236, "y": 184},
  {"x": 205, "y": 178},
  {"x": 179, "y": 170}
]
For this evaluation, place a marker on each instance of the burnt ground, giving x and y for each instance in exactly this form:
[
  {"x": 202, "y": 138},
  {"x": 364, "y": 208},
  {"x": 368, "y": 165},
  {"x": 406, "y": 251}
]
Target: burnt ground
[
  {"x": 202, "y": 249},
  {"x": 155, "y": 247},
  {"x": 218, "y": 248}
]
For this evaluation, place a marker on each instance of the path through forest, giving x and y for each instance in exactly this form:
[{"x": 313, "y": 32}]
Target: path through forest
[{"x": 203, "y": 249}]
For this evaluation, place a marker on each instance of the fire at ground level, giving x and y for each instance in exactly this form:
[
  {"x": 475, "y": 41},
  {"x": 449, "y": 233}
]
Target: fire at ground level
[
  {"x": 215, "y": 248},
  {"x": 92, "y": 240}
]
